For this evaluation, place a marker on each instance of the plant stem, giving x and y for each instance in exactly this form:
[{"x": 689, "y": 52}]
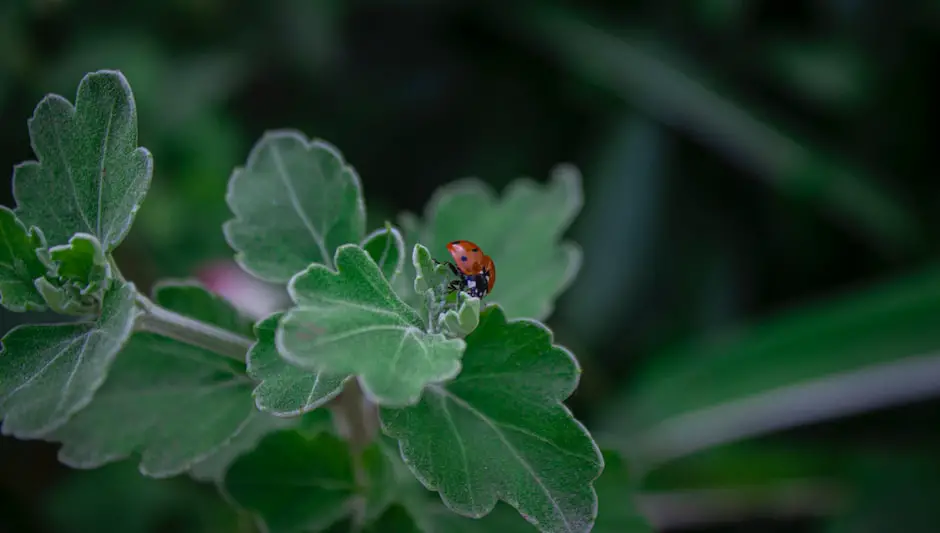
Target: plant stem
[
  {"x": 356, "y": 419},
  {"x": 162, "y": 321}
]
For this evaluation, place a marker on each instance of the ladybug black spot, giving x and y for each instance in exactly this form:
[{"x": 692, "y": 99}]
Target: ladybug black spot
[
  {"x": 475, "y": 250},
  {"x": 463, "y": 259},
  {"x": 455, "y": 242}
]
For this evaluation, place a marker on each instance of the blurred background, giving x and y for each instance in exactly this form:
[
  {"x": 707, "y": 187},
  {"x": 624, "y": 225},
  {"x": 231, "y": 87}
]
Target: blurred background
[{"x": 758, "y": 315}]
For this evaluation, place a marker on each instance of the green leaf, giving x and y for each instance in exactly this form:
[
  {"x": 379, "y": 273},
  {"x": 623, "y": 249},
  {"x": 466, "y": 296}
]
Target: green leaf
[
  {"x": 90, "y": 176},
  {"x": 500, "y": 430},
  {"x": 462, "y": 321},
  {"x": 294, "y": 484},
  {"x": 429, "y": 275},
  {"x": 80, "y": 270},
  {"x": 172, "y": 403},
  {"x": 50, "y": 372},
  {"x": 617, "y": 512},
  {"x": 284, "y": 389},
  {"x": 81, "y": 260},
  {"x": 520, "y": 231},
  {"x": 294, "y": 202},
  {"x": 866, "y": 350},
  {"x": 387, "y": 249},
  {"x": 351, "y": 322},
  {"x": 19, "y": 264},
  {"x": 213, "y": 468},
  {"x": 425, "y": 512}
]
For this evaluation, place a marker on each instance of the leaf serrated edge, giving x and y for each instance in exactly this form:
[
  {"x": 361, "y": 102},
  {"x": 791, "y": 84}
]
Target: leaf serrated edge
[
  {"x": 142, "y": 453},
  {"x": 495, "y": 308},
  {"x": 469, "y": 185},
  {"x": 127, "y": 91},
  {"x": 309, "y": 145},
  {"x": 416, "y": 253},
  {"x": 409, "y": 329},
  {"x": 308, "y": 407},
  {"x": 563, "y": 175},
  {"x": 575, "y": 259}
]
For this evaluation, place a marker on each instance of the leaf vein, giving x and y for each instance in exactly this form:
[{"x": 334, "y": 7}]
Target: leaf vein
[
  {"x": 463, "y": 449},
  {"x": 522, "y": 461},
  {"x": 101, "y": 170},
  {"x": 67, "y": 343},
  {"x": 358, "y": 331},
  {"x": 295, "y": 203},
  {"x": 68, "y": 171},
  {"x": 78, "y": 363}
]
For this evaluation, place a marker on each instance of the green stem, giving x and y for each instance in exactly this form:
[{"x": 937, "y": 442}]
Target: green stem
[
  {"x": 356, "y": 419},
  {"x": 156, "y": 319}
]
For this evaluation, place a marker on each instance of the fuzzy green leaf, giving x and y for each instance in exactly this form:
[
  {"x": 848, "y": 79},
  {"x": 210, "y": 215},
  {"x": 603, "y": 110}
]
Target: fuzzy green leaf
[
  {"x": 172, "y": 403},
  {"x": 412, "y": 510},
  {"x": 387, "y": 249},
  {"x": 294, "y": 202},
  {"x": 284, "y": 389},
  {"x": 425, "y": 513},
  {"x": 429, "y": 276},
  {"x": 80, "y": 270},
  {"x": 20, "y": 266},
  {"x": 81, "y": 260},
  {"x": 91, "y": 176},
  {"x": 294, "y": 484},
  {"x": 500, "y": 430},
  {"x": 50, "y": 372},
  {"x": 351, "y": 322},
  {"x": 214, "y": 467},
  {"x": 520, "y": 231},
  {"x": 461, "y": 321}
]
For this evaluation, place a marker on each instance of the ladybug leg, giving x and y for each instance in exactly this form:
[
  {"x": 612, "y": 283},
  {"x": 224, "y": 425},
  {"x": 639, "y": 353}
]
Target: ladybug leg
[{"x": 455, "y": 285}]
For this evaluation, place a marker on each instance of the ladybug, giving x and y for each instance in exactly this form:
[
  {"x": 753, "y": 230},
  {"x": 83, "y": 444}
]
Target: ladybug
[{"x": 474, "y": 269}]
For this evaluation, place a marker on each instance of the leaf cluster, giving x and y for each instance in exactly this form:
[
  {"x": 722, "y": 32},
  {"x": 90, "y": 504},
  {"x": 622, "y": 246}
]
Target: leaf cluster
[{"x": 374, "y": 387}]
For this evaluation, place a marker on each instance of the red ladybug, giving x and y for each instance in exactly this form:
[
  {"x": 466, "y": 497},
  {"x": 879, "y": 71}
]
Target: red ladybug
[{"x": 474, "y": 269}]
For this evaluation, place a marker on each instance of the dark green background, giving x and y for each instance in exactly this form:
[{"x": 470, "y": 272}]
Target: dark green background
[{"x": 740, "y": 159}]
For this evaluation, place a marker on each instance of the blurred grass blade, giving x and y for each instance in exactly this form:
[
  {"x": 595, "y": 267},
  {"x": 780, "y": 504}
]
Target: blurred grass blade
[
  {"x": 659, "y": 84},
  {"x": 845, "y": 394},
  {"x": 877, "y": 348}
]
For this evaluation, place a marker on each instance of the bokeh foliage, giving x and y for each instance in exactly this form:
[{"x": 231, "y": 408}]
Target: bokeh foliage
[{"x": 739, "y": 160}]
